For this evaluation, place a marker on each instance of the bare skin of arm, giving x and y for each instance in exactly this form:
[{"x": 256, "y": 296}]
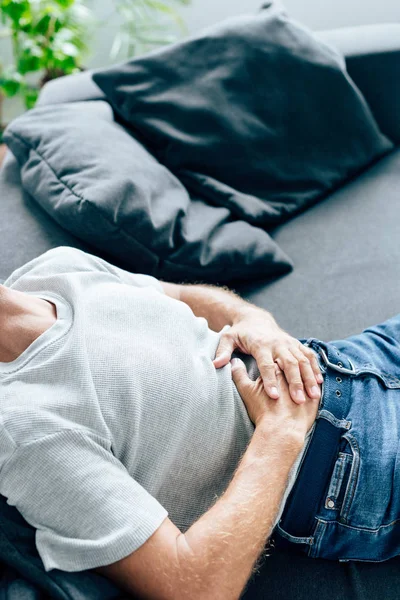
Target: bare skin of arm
[
  {"x": 214, "y": 558},
  {"x": 253, "y": 331}
]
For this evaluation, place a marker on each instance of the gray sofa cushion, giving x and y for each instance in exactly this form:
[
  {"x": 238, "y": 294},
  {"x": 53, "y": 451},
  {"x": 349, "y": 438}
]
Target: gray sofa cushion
[
  {"x": 255, "y": 114},
  {"x": 70, "y": 88},
  {"x": 102, "y": 185}
]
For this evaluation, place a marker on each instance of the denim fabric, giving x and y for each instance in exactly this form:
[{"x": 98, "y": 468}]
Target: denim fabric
[{"x": 358, "y": 517}]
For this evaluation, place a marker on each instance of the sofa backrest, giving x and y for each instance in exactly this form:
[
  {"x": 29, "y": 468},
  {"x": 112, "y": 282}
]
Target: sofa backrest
[{"x": 372, "y": 54}]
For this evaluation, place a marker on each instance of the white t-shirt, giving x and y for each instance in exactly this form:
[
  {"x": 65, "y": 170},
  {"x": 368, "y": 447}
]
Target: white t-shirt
[{"x": 115, "y": 417}]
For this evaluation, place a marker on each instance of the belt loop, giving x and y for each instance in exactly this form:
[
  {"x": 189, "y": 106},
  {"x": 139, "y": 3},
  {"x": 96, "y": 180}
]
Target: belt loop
[{"x": 309, "y": 340}]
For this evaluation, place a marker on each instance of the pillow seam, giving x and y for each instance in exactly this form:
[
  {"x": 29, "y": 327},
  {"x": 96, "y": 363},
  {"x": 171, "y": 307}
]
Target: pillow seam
[
  {"x": 160, "y": 261},
  {"x": 80, "y": 198}
]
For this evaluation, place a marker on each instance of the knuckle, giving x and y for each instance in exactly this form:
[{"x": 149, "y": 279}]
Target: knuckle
[
  {"x": 257, "y": 344},
  {"x": 307, "y": 350},
  {"x": 296, "y": 384},
  {"x": 290, "y": 361},
  {"x": 267, "y": 365},
  {"x": 303, "y": 361},
  {"x": 226, "y": 339},
  {"x": 313, "y": 360},
  {"x": 275, "y": 342}
]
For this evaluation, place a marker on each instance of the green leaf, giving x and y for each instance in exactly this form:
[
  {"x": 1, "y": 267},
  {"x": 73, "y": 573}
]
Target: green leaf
[
  {"x": 11, "y": 83},
  {"x": 65, "y": 3},
  {"x": 41, "y": 27},
  {"x": 30, "y": 57},
  {"x": 15, "y": 9},
  {"x": 30, "y": 97}
]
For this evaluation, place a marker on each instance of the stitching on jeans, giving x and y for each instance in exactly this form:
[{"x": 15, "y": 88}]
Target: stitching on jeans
[
  {"x": 368, "y": 530},
  {"x": 353, "y": 477},
  {"x": 334, "y": 490}
]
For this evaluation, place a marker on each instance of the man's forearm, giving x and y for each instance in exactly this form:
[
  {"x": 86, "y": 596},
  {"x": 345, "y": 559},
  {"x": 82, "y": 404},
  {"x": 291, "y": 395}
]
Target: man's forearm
[
  {"x": 220, "y": 549},
  {"x": 219, "y": 306}
]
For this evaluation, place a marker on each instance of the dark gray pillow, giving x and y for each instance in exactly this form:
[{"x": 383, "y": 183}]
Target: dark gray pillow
[
  {"x": 103, "y": 186},
  {"x": 255, "y": 113}
]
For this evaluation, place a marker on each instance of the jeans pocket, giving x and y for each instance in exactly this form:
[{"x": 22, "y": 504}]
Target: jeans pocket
[{"x": 343, "y": 481}]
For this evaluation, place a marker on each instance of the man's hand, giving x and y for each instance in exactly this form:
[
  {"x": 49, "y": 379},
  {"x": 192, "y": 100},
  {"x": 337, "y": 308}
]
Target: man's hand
[
  {"x": 253, "y": 331},
  {"x": 281, "y": 415},
  {"x": 256, "y": 332}
]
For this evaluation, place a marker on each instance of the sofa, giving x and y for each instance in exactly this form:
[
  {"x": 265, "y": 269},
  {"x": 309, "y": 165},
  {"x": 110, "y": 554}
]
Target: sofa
[{"x": 346, "y": 277}]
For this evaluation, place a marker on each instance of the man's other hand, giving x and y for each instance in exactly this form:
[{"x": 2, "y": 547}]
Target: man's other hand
[{"x": 257, "y": 333}]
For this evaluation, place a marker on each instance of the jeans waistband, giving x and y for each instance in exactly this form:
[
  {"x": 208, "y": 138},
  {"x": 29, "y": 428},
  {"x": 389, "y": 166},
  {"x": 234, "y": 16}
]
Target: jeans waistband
[{"x": 298, "y": 518}]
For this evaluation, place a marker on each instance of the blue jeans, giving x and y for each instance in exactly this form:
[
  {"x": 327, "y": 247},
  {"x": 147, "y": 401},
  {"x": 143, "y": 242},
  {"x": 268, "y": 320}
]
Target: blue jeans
[{"x": 353, "y": 511}]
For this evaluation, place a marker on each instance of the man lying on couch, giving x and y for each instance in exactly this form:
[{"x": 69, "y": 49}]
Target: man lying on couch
[{"x": 129, "y": 447}]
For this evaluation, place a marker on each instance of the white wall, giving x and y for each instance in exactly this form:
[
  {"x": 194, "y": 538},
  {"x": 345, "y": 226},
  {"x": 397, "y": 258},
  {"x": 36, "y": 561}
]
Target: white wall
[{"x": 316, "y": 14}]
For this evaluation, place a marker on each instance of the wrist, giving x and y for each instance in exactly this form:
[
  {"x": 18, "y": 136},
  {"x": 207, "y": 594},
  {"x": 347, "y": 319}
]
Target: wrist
[
  {"x": 290, "y": 436},
  {"x": 245, "y": 310}
]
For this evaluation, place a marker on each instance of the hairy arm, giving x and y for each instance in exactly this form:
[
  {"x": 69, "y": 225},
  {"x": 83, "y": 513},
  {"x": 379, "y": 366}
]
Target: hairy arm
[
  {"x": 218, "y": 305},
  {"x": 253, "y": 331},
  {"x": 214, "y": 558}
]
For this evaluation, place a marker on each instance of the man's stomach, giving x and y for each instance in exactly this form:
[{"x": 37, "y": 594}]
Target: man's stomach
[{"x": 178, "y": 424}]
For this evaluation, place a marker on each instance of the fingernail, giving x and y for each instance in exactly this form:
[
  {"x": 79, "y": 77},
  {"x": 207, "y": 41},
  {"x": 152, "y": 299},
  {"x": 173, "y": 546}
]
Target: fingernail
[
  {"x": 235, "y": 362},
  {"x": 320, "y": 379},
  {"x": 274, "y": 391},
  {"x": 315, "y": 391},
  {"x": 300, "y": 395}
]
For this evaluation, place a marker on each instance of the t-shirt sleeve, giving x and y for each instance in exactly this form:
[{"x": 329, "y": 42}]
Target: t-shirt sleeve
[
  {"x": 87, "y": 509},
  {"x": 65, "y": 259},
  {"x": 136, "y": 279}
]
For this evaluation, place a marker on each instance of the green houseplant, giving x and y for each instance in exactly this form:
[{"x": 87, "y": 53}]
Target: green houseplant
[{"x": 48, "y": 39}]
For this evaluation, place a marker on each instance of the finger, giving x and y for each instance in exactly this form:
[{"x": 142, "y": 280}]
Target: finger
[
  {"x": 240, "y": 375},
  {"x": 307, "y": 374},
  {"x": 281, "y": 379},
  {"x": 314, "y": 362},
  {"x": 291, "y": 368},
  {"x": 278, "y": 370},
  {"x": 283, "y": 386},
  {"x": 267, "y": 366},
  {"x": 224, "y": 351}
]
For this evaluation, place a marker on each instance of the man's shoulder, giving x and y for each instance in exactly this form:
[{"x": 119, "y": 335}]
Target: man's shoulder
[{"x": 62, "y": 259}]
